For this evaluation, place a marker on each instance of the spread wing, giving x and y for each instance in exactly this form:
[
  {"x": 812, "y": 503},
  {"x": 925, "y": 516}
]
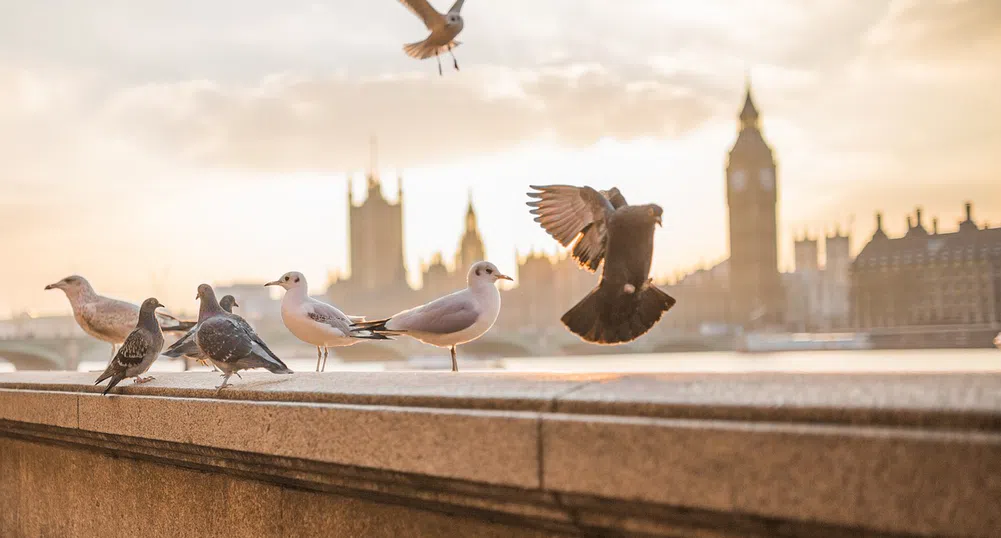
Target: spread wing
[
  {"x": 423, "y": 9},
  {"x": 111, "y": 318},
  {"x": 575, "y": 213},
  {"x": 615, "y": 197},
  {"x": 328, "y": 315},
  {"x": 447, "y": 315}
]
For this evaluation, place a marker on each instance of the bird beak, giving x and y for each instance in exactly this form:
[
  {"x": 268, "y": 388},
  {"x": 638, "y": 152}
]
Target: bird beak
[
  {"x": 236, "y": 304},
  {"x": 504, "y": 277},
  {"x": 660, "y": 222},
  {"x": 274, "y": 283},
  {"x": 198, "y": 296},
  {"x": 50, "y": 287}
]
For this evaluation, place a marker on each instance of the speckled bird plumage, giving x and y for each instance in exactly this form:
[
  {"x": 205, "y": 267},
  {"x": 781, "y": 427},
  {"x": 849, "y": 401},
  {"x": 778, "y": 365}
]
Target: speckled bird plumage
[{"x": 141, "y": 348}]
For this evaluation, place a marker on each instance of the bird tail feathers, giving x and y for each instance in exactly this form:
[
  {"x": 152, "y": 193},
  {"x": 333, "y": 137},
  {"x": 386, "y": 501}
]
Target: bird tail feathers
[
  {"x": 612, "y": 315},
  {"x": 184, "y": 347},
  {"x": 373, "y": 330},
  {"x": 181, "y": 326},
  {"x": 422, "y": 50},
  {"x": 115, "y": 380},
  {"x": 269, "y": 361}
]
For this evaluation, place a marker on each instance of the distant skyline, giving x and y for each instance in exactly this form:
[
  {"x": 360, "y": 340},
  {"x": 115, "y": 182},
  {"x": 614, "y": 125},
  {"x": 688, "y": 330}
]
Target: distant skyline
[{"x": 129, "y": 130}]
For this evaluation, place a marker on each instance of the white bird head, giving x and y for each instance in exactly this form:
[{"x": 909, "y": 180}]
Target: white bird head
[
  {"x": 453, "y": 19},
  {"x": 290, "y": 280},
  {"x": 485, "y": 272},
  {"x": 71, "y": 285}
]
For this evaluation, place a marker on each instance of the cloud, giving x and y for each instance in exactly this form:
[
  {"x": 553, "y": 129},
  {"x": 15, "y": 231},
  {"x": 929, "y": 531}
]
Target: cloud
[{"x": 293, "y": 123}]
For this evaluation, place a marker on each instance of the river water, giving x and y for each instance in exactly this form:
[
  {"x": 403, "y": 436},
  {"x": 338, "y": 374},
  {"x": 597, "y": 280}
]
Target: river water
[{"x": 948, "y": 360}]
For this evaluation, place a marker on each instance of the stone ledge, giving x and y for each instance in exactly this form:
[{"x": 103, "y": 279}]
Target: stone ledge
[{"x": 727, "y": 455}]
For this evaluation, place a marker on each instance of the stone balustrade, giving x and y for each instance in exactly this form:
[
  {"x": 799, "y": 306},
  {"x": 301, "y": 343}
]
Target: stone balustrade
[{"x": 502, "y": 454}]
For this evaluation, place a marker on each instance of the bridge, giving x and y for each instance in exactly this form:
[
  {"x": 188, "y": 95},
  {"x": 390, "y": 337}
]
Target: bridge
[{"x": 50, "y": 354}]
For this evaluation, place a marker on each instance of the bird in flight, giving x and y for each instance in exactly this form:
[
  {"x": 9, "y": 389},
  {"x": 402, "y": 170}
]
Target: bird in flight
[
  {"x": 603, "y": 227},
  {"x": 444, "y": 28}
]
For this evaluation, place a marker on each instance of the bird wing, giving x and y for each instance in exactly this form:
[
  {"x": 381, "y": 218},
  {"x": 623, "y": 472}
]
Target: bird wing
[
  {"x": 185, "y": 345},
  {"x": 614, "y": 197},
  {"x": 135, "y": 348},
  {"x": 456, "y": 7},
  {"x": 249, "y": 330},
  {"x": 111, "y": 318},
  {"x": 570, "y": 213},
  {"x": 326, "y": 314},
  {"x": 223, "y": 340},
  {"x": 447, "y": 315},
  {"x": 423, "y": 9},
  {"x": 423, "y": 50}
]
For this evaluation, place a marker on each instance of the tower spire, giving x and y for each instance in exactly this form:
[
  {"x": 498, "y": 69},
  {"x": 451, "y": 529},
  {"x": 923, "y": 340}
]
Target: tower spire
[
  {"x": 373, "y": 173},
  {"x": 749, "y": 113}
]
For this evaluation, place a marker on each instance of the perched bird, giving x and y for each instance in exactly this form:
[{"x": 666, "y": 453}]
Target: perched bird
[
  {"x": 451, "y": 320},
  {"x": 997, "y": 341},
  {"x": 141, "y": 347},
  {"x": 229, "y": 342},
  {"x": 315, "y": 322},
  {"x": 602, "y": 226},
  {"x": 444, "y": 29},
  {"x": 186, "y": 346},
  {"x": 106, "y": 319}
]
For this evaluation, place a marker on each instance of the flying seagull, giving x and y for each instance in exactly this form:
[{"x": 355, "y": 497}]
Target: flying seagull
[
  {"x": 186, "y": 346},
  {"x": 229, "y": 342},
  {"x": 451, "y": 320},
  {"x": 106, "y": 319},
  {"x": 141, "y": 347},
  {"x": 315, "y": 322},
  {"x": 602, "y": 226},
  {"x": 444, "y": 29}
]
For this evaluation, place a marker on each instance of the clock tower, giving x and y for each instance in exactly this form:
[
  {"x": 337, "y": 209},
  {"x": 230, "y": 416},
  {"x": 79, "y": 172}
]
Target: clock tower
[{"x": 756, "y": 293}]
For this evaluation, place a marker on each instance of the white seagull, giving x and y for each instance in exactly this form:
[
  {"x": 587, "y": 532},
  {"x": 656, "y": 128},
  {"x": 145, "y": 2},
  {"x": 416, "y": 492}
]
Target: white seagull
[
  {"x": 107, "y": 319},
  {"x": 444, "y": 28},
  {"x": 316, "y": 322},
  {"x": 451, "y": 320}
]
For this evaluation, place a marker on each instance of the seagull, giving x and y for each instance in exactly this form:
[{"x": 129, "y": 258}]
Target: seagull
[
  {"x": 106, "y": 319},
  {"x": 315, "y": 322},
  {"x": 602, "y": 226},
  {"x": 229, "y": 341},
  {"x": 186, "y": 346},
  {"x": 141, "y": 347},
  {"x": 444, "y": 29},
  {"x": 451, "y": 320}
]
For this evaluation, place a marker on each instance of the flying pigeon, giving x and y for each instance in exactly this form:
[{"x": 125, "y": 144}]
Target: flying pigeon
[
  {"x": 444, "y": 29},
  {"x": 451, "y": 320},
  {"x": 603, "y": 227},
  {"x": 141, "y": 347}
]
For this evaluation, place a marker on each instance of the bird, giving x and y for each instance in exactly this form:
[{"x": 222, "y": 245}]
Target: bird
[
  {"x": 229, "y": 342},
  {"x": 997, "y": 341},
  {"x": 186, "y": 346},
  {"x": 451, "y": 320},
  {"x": 108, "y": 320},
  {"x": 603, "y": 227},
  {"x": 444, "y": 28},
  {"x": 141, "y": 347},
  {"x": 315, "y": 322}
]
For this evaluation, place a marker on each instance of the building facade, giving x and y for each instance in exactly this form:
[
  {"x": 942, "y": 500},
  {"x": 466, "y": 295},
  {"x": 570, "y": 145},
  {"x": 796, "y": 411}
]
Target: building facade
[
  {"x": 928, "y": 279},
  {"x": 752, "y": 197},
  {"x": 817, "y": 295}
]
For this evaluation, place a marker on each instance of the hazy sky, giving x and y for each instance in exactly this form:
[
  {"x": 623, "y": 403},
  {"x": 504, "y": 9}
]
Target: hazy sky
[{"x": 154, "y": 145}]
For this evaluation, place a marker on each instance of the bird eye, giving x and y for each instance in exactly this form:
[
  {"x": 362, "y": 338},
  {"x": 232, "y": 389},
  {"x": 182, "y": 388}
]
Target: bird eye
[
  {"x": 490, "y": 271},
  {"x": 286, "y": 279}
]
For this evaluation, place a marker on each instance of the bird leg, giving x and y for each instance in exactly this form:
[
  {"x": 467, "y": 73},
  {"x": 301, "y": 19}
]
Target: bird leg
[
  {"x": 439, "y": 64},
  {"x": 318, "y": 357},
  {"x": 455, "y": 364},
  {"x": 237, "y": 375},
  {"x": 324, "y": 368},
  {"x": 225, "y": 382},
  {"x": 454, "y": 61},
  {"x": 140, "y": 379}
]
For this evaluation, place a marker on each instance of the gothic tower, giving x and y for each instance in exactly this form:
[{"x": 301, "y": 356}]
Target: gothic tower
[
  {"x": 751, "y": 193},
  {"x": 471, "y": 247}
]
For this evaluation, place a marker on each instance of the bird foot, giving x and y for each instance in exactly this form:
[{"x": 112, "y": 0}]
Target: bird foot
[
  {"x": 456, "y": 64},
  {"x": 220, "y": 387},
  {"x": 140, "y": 380},
  {"x": 629, "y": 288}
]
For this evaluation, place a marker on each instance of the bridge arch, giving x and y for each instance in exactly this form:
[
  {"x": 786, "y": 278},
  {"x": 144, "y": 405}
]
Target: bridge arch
[{"x": 26, "y": 356}]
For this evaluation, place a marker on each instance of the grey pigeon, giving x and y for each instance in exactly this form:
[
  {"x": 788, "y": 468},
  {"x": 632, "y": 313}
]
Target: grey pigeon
[
  {"x": 603, "y": 227},
  {"x": 444, "y": 29},
  {"x": 186, "y": 346},
  {"x": 141, "y": 347},
  {"x": 229, "y": 342},
  {"x": 104, "y": 318}
]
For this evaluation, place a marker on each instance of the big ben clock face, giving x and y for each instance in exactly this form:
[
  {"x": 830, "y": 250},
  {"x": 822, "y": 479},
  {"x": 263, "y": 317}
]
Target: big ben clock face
[
  {"x": 738, "y": 179},
  {"x": 767, "y": 177}
]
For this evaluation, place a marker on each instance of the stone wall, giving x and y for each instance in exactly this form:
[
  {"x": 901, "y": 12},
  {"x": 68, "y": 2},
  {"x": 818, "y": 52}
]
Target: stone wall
[{"x": 473, "y": 454}]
